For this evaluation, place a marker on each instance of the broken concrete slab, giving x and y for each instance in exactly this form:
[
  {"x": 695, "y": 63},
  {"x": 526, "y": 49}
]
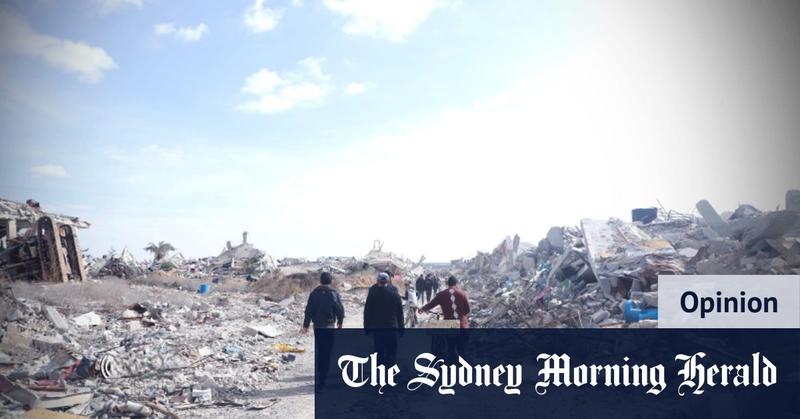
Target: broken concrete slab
[
  {"x": 555, "y": 236},
  {"x": 88, "y": 319},
  {"x": 713, "y": 219},
  {"x": 17, "y": 393},
  {"x": 49, "y": 343},
  {"x": 267, "y": 330},
  {"x": 56, "y": 318},
  {"x": 61, "y": 401},
  {"x": 14, "y": 339},
  {"x": 599, "y": 316},
  {"x": 772, "y": 225}
]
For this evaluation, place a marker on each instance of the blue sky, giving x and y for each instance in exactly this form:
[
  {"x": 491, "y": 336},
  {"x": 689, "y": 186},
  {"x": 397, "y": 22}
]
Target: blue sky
[{"x": 318, "y": 126}]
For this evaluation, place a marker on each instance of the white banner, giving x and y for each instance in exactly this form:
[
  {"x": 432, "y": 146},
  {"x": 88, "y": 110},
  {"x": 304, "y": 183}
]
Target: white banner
[{"x": 729, "y": 301}]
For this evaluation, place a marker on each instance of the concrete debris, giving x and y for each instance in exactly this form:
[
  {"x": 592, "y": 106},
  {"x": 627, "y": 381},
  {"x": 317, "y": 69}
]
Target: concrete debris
[
  {"x": 59, "y": 401},
  {"x": 242, "y": 259},
  {"x": 189, "y": 353},
  {"x": 23, "y": 396},
  {"x": 574, "y": 276},
  {"x": 268, "y": 331},
  {"x": 59, "y": 322},
  {"x": 88, "y": 319},
  {"x": 36, "y": 245},
  {"x": 123, "y": 265}
]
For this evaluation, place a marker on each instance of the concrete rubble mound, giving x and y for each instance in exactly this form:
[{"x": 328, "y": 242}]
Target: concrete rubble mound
[
  {"x": 293, "y": 275},
  {"x": 122, "y": 265},
  {"x": 586, "y": 276},
  {"x": 242, "y": 259}
]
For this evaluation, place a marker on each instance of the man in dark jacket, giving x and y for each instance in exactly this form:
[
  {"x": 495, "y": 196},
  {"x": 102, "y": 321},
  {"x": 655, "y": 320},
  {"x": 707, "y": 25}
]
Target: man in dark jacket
[
  {"x": 428, "y": 287},
  {"x": 325, "y": 310},
  {"x": 383, "y": 319},
  {"x": 420, "y": 286}
]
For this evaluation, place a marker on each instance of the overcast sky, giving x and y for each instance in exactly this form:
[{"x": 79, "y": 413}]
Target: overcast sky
[{"x": 438, "y": 127}]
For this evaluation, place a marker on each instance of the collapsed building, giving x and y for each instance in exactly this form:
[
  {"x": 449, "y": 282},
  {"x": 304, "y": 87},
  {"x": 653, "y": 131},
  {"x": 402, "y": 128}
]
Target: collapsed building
[
  {"x": 37, "y": 245},
  {"x": 122, "y": 265},
  {"x": 584, "y": 276},
  {"x": 244, "y": 257}
]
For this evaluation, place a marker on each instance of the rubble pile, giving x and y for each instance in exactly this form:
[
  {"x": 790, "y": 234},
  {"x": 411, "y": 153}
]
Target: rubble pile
[
  {"x": 123, "y": 265},
  {"x": 243, "y": 259},
  {"x": 585, "y": 276},
  {"x": 151, "y": 358},
  {"x": 294, "y": 275}
]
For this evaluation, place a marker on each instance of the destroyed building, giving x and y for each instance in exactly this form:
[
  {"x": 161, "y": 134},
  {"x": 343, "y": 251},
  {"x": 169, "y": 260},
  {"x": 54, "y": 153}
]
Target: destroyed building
[
  {"x": 122, "y": 265},
  {"x": 37, "y": 245},
  {"x": 244, "y": 258},
  {"x": 586, "y": 276}
]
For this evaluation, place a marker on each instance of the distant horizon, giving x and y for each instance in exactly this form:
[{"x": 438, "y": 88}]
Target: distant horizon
[{"x": 143, "y": 255}]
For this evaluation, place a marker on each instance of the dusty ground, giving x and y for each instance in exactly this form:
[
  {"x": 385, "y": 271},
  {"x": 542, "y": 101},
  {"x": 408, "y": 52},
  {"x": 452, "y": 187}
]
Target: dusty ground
[
  {"x": 266, "y": 384},
  {"x": 295, "y": 389}
]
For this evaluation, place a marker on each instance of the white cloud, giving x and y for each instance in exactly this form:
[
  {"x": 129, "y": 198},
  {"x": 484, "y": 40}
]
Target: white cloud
[
  {"x": 297, "y": 3},
  {"x": 184, "y": 33},
  {"x": 392, "y": 20},
  {"x": 107, "y": 6},
  {"x": 87, "y": 61},
  {"x": 54, "y": 170},
  {"x": 355, "y": 88},
  {"x": 304, "y": 87},
  {"x": 260, "y": 18}
]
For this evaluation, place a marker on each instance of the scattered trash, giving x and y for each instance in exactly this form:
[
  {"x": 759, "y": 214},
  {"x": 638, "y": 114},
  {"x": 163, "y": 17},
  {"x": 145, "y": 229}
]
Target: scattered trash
[
  {"x": 232, "y": 349},
  {"x": 633, "y": 313},
  {"x": 285, "y": 347}
]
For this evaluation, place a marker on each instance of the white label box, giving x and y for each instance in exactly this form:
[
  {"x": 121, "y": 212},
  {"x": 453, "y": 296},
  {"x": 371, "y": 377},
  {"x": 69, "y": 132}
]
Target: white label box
[{"x": 729, "y": 301}]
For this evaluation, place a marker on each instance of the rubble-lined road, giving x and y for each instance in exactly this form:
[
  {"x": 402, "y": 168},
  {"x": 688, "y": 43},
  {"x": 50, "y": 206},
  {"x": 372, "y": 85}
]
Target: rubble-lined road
[{"x": 293, "y": 393}]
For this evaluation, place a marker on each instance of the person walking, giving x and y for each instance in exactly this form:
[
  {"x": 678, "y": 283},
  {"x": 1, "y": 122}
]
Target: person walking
[
  {"x": 383, "y": 319},
  {"x": 454, "y": 303},
  {"x": 428, "y": 287},
  {"x": 325, "y": 309},
  {"x": 410, "y": 296},
  {"x": 420, "y": 287}
]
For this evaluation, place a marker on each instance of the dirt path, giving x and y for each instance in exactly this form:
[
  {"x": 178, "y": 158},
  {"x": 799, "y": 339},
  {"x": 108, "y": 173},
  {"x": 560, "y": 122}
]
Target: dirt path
[{"x": 292, "y": 395}]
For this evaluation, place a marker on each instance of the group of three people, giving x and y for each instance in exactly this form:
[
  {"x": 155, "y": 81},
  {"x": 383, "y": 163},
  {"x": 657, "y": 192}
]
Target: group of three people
[
  {"x": 427, "y": 286},
  {"x": 383, "y": 316}
]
